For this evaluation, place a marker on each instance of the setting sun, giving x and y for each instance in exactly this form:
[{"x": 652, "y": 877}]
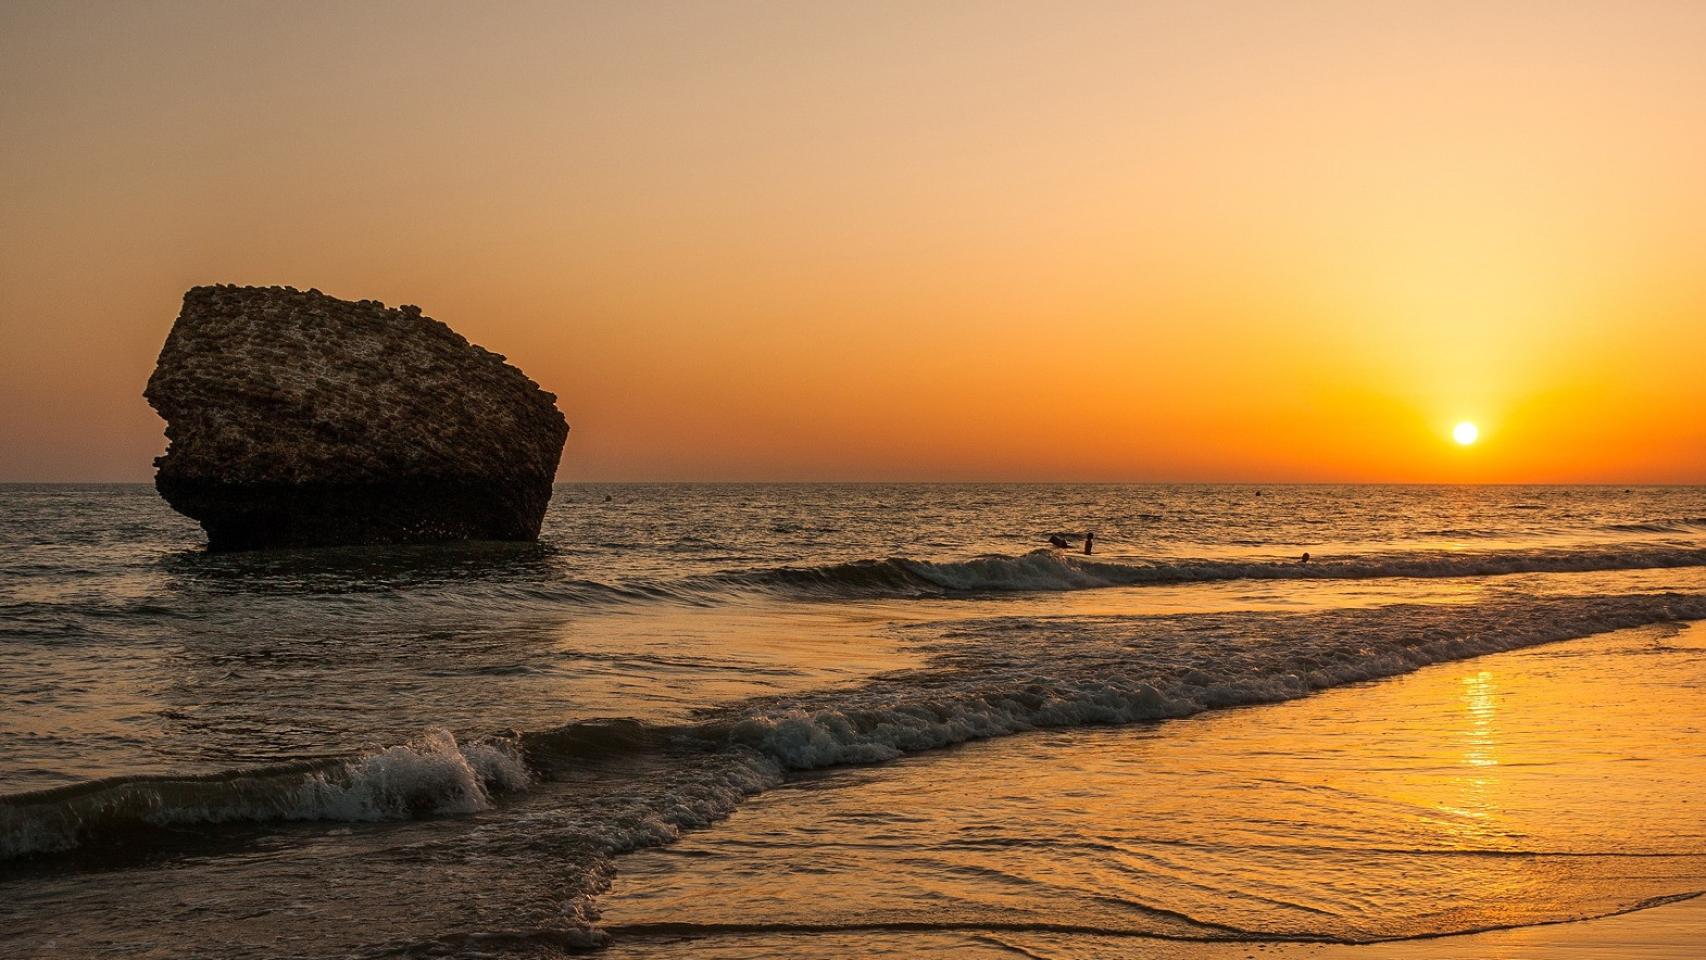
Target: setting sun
[{"x": 1465, "y": 433}]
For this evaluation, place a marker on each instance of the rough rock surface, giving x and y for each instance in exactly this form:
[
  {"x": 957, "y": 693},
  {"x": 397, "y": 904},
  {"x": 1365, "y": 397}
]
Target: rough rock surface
[{"x": 298, "y": 419}]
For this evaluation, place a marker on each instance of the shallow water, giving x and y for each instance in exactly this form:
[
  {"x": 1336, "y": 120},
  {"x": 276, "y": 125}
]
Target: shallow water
[
  {"x": 1545, "y": 783},
  {"x": 444, "y": 750}
]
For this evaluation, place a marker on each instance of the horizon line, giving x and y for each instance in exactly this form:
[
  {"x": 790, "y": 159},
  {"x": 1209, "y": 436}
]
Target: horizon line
[{"x": 1628, "y": 484}]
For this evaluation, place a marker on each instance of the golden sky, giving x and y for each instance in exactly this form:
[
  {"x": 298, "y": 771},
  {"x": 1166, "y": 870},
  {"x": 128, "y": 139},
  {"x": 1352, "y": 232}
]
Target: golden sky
[{"x": 1126, "y": 241}]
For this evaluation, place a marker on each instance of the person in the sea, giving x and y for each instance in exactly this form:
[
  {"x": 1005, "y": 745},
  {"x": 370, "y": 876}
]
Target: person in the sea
[
  {"x": 1305, "y": 559},
  {"x": 1089, "y": 539},
  {"x": 1057, "y": 541}
]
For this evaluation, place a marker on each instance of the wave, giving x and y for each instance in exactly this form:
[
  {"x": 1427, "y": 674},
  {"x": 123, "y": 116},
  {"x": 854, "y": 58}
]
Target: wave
[
  {"x": 1051, "y": 570},
  {"x": 1011, "y": 674},
  {"x": 433, "y": 775},
  {"x": 1677, "y": 525}
]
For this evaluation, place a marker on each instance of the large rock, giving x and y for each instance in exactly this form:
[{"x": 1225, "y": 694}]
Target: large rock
[{"x": 297, "y": 419}]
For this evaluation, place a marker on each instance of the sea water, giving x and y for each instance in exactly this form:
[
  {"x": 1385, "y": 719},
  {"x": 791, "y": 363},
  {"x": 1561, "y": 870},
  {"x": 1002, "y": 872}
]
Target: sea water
[{"x": 819, "y": 719}]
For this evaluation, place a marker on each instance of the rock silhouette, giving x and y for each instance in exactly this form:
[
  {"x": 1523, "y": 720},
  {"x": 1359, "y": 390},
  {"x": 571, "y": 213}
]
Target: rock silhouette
[{"x": 298, "y": 419}]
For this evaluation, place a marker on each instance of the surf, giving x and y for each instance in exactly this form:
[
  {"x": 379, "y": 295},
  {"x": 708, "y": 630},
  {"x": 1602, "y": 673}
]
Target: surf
[{"x": 984, "y": 678}]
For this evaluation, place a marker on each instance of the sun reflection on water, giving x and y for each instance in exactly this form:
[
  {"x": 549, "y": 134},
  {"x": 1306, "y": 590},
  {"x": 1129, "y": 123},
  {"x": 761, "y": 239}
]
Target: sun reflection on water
[
  {"x": 1473, "y": 812},
  {"x": 1480, "y": 697}
]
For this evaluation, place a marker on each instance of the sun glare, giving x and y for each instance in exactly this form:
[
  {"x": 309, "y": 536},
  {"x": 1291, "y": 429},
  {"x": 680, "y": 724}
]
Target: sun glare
[{"x": 1465, "y": 433}]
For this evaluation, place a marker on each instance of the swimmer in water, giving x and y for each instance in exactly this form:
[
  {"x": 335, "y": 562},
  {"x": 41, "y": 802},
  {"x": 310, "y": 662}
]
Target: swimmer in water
[{"x": 1089, "y": 540}]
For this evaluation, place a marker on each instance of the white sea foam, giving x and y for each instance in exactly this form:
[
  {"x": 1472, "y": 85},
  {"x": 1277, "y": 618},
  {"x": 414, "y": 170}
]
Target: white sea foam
[
  {"x": 432, "y": 775},
  {"x": 1006, "y": 675}
]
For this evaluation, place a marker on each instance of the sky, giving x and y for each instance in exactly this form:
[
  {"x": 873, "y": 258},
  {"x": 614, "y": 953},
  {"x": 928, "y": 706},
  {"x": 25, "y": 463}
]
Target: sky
[{"x": 1191, "y": 241}]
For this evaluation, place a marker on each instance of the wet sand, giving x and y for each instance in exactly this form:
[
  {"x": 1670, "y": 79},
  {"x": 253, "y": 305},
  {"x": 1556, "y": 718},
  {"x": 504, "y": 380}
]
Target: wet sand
[{"x": 1676, "y": 931}]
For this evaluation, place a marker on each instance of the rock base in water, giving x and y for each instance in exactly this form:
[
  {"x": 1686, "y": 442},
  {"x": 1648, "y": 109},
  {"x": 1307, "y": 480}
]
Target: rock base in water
[{"x": 249, "y": 516}]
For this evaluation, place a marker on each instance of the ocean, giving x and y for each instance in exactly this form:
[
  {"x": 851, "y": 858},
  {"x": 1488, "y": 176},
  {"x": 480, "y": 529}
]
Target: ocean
[{"x": 855, "y": 720}]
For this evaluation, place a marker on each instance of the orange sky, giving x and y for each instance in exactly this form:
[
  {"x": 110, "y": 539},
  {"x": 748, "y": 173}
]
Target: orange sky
[{"x": 1164, "y": 241}]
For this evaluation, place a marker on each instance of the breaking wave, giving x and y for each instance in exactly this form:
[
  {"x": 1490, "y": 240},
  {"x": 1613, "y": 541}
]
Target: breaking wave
[
  {"x": 432, "y": 775},
  {"x": 1051, "y": 570}
]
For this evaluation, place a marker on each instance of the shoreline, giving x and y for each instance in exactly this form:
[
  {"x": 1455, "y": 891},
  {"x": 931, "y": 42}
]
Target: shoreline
[
  {"x": 1671, "y": 930},
  {"x": 1674, "y": 930}
]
